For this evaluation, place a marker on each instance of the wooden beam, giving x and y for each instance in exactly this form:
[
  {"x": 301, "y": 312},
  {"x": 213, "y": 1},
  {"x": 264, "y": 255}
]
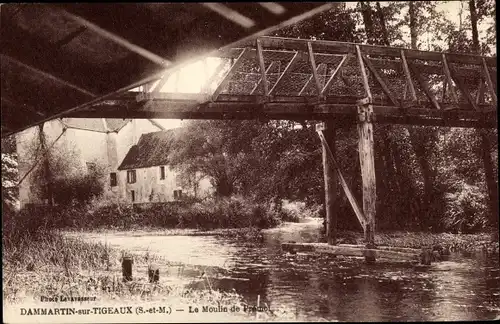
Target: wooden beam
[
  {"x": 489, "y": 82},
  {"x": 378, "y": 63},
  {"x": 345, "y": 113},
  {"x": 312, "y": 61},
  {"x": 350, "y": 196},
  {"x": 464, "y": 89},
  {"x": 289, "y": 66},
  {"x": 67, "y": 39},
  {"x": 118, "y": 40},
  {"x": 273, "y": 7},
  {"x": 423, "y": 84},
  {"x": 26, "y": 106},
  {"x": 334, "y": 47},
  {"x": 306, "y": 85},
  {"x": 260, "y": 80},
  {"x": 329, "y": 83},
  {"x": 447, "y": 74},
  {"x": 367, "y": 163},
  {"x": 364, "y": 76},
  {"x": 48, "y": 75},
  {"x": 330, "y": 180},
  {"x": 352, "y": 250},
  {"x": 480, "y": 92},
  {"x": 381, "y": 81},
  {"x": 409, "y": 81},
  {"x": 262, "y": 67},
  {"x": 229, "y": 73},
  {"x": 443, "y": 95},
  {"x": 230, "y": 14}
]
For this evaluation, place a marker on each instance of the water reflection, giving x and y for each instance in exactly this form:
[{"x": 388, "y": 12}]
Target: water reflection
[{"x": 317, "y": 287}]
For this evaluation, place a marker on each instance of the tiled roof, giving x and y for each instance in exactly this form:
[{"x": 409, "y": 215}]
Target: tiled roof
[
  {"x": 95, "y": 124},
  {"x": 151, "y": 150}
]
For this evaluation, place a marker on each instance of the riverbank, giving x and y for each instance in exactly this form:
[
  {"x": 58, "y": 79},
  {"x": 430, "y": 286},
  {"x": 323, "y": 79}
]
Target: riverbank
[{"x": 53, "y": 265}]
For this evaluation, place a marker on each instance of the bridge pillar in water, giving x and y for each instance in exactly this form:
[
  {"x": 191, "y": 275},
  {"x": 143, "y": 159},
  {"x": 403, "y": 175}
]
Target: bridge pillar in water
[
  {"x": 367, "y": 163},
  {"x": 331, "y": 183}
]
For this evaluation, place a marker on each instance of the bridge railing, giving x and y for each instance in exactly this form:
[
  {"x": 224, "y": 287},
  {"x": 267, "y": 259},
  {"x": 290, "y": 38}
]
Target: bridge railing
[{"x": 305, "y": 79}]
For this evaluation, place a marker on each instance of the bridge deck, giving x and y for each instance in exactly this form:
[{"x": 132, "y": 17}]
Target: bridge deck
[{"x": 279, "y": 78}]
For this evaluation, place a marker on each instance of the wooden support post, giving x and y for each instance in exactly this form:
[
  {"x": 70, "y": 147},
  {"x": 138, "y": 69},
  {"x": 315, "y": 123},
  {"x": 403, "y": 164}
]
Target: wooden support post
[
  {"x": 367, "y": 162},
  {"x": 127, "y": 263},
  {"x": 489, "y": 82},
  {"x": 312, "y": 61},
  {"x": 447, "y": 74},
  {"x": 153, "y": 273},
  {"x": 330, "y": 178},
  {"x": 262, "y": 67},
  {"x": 409, "y": 82}
]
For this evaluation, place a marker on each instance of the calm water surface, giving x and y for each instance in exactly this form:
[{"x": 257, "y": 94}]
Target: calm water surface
[{"x": 318, "y": 287}]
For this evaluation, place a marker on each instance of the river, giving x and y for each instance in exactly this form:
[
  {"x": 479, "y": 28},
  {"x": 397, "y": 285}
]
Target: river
[{"x": 318, "y": 287}]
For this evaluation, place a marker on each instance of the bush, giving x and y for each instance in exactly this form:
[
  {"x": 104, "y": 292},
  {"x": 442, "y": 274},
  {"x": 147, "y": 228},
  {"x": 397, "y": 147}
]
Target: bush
[
  {"x": 466, "y": 209},
  {"x": 234, "y": 212}
]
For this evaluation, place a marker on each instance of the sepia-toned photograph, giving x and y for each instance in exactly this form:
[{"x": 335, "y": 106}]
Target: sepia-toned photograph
[{"x": 249, "y": 162}]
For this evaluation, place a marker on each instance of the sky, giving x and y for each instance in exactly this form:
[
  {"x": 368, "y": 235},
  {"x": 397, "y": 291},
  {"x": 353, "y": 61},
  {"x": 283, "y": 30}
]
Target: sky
[{"x": 192, "y": 77}]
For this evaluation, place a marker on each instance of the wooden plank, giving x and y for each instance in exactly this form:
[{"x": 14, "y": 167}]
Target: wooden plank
[
  {"x": 47, "y": 75},
  {"x": 228, "y": 75},
  {"x": 423, "y": 84},
  {"x": 262, "y": 67},
  {"x": 329, "y": 83},
  {"x": 464, "y": 89},
  {"x": 260, "y": 80},
  {"x": 335, "y": 47},
  {"x": 314, "y": 68},
  {"x": 489, "y": 82},
  {"x": 347, "y": 250},
  {"x": 447, "y": 74},
  {"x": 380, "y": 81},
  {"x": 350, "y": 196},
  {"x": 230, "y": 14},
  {"x": 330, "y": 180},
  {"x": 409, "y": 81},
  {"x": 293, "y": 61},
  {"x": 443, "y": 95},
  {"x": 118, "y": 40},
  {"x": 364, "y": 76},
  {"x": 367, "y": 162}
]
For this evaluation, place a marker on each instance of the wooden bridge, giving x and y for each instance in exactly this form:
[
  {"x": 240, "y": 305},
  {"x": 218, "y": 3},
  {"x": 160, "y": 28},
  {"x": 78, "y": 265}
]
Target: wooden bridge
[
  {"x": 337, "y": 83},
  {"x": 340, "y": 84},
  {"x": 280, "y": 78}
]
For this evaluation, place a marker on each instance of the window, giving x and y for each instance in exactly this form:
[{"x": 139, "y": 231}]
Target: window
[
  {"x": 112, "y": 179},
  {"x": 131, "y": 176},
  {"x": 177, "y": 194},
  {"x": 132, "y": 194},
  {"x": 162, "y": 173}
]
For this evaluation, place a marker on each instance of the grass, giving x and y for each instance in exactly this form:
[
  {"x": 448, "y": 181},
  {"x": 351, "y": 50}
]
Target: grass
[{"x": 48, "y": 263}]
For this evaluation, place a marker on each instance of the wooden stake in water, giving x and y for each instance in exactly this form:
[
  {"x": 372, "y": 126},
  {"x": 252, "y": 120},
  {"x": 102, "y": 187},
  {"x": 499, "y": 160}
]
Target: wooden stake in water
[{"x": 127, "y": 263}]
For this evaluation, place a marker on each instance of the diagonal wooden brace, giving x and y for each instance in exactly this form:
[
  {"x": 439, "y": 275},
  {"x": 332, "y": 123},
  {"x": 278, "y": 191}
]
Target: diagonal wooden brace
[{"x": 343, "y": 182}]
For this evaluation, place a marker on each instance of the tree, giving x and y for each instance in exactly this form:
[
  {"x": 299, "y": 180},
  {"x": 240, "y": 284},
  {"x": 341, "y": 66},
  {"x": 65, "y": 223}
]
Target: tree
[{"x": 10, "y": 178}]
